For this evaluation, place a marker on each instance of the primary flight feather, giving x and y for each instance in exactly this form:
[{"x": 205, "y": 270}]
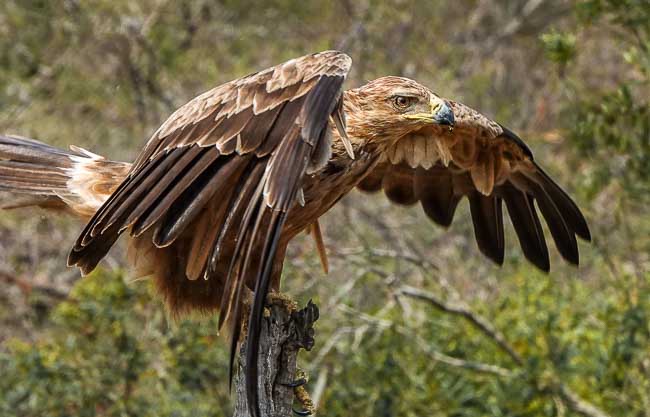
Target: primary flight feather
[{"x": 221, "y": 188}]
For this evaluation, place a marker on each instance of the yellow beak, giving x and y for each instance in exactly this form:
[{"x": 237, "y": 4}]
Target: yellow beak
[{"x": 441, "y": 113}]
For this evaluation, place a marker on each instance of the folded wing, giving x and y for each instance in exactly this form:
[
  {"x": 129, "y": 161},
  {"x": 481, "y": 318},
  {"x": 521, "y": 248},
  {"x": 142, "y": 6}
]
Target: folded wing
[{"x": 487, "y": 163}]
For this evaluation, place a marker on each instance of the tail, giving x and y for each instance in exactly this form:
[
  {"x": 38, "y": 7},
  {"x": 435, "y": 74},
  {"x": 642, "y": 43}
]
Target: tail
[{"x": 41, "y": 175}]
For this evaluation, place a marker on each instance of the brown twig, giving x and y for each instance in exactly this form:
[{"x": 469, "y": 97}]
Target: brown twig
[
  {"x": 577, "y": 404},
  {"x": 435, "y": 355},
  {"x": 481, "y": 323},
  {"x": 28, "y": 287}
]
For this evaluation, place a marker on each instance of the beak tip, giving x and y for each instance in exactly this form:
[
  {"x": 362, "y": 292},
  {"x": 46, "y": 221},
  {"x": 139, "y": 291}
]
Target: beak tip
[{"x": 445, "y": 116}]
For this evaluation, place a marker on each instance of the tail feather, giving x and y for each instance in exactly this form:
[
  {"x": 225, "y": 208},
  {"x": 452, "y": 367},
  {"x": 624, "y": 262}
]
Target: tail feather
[{"x": 42, "y": 175}]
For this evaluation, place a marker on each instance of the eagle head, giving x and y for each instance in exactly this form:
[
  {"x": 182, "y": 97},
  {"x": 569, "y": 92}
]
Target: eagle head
[{"x": 388, "y": 108}]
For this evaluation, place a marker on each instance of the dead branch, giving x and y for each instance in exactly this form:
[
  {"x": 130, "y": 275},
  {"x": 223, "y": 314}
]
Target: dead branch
[
  {"x": 481, "y": 323},
  {"x": 28, "y": 287},
  {"x": 284, "y": 333},
  {"x": 577, "y": 404},
  {"x": 484, "y": 368}
]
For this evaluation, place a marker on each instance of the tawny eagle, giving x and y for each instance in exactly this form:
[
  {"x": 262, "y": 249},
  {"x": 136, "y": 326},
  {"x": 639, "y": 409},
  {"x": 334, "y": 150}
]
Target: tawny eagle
[{"x": 222, "y": 187}]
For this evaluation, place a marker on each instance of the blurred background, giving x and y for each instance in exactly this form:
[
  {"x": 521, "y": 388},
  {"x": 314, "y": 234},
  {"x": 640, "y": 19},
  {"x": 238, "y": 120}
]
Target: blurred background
[{"x": 571, "y": 77}]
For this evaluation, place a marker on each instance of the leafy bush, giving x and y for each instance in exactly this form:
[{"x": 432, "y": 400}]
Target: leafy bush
[{"x": 111, "y": 352}]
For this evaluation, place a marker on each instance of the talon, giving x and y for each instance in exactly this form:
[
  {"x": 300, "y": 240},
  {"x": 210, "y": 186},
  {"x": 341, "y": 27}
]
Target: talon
[
  {"x": 303, "y": 398},
  {"x": 302, "y": 412},
  {"x": 301, "y": 394},
  {"x": 295, "y": 384}
]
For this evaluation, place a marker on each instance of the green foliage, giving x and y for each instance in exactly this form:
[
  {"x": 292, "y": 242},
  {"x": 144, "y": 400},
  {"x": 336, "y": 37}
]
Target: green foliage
[
  {"x": 613, "y": 127},
  {"x": 110, "y": 352},
  {"x": 559, "y": 47},
  {"x": 562, "y": 332}
]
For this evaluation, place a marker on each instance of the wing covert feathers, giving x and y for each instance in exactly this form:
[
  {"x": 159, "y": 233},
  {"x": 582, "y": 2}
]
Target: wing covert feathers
[{"x": 212, "y": 188}]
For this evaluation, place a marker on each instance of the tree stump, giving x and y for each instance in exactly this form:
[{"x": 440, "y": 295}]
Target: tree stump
[{"x": 284, "y": 332}]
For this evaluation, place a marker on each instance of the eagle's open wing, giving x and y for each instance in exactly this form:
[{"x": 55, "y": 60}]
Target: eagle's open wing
[
  {"x": 488, "y": 164},
  {"x": 251, "y": 141}
]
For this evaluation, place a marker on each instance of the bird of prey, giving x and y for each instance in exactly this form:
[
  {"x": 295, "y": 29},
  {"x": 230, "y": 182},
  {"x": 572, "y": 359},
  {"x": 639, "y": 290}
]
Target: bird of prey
[{"x": 222, "y": 187}]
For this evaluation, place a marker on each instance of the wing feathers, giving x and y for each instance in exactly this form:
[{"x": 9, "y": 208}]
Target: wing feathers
[
  {"x": 228, "y": 128},
  {"x": 255, "y": 137},
  {"x": 487, "y": 218},
  {"x": 168, "y": 190},
  {"x": 563, "y": 234},
  {"x": 146, "y": 196},
  {"x": 251, "y": 115},
  {"x": 373, "y": 181},
  {"x": 130, "y": 192},
  {"x": 564, "y": 203},
  {"x": 277, "y": 219},
  {"x": 321, "y": 100},
  {"x": 483, "y": 172},
  {"x": 249, "y": 189},
  {"x": 281, "y": 125},
  {"x": 285, "y": 170},
  {"x": 435, "y": 190},
  {"x": 194, "y": 197},
  {"x": 254, "y": 134},
  {"x": 487, "y": 163},
  {"x": 527, "y": 226},
  {"x": 398, "y": 185},
  {"x": 206, "y": 232},
  {"x": 266, "y": 101}
]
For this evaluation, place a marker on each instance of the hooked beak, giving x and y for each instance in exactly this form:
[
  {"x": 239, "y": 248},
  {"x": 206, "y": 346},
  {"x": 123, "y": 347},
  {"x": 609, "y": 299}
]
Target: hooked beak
[{"x": 441, "y": 113}]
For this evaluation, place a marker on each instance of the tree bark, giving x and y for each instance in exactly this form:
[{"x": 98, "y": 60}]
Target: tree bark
[{"x": 284, "y": 332}]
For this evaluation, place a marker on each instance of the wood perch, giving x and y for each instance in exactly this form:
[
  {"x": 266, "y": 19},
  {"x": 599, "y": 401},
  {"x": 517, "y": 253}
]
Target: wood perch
[{"x": 284, "y": 332}]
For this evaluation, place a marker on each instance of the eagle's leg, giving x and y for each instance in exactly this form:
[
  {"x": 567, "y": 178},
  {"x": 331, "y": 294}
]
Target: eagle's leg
[
  {"x": 298, "y": 382},
  {"x": 308, "y": 405},
  {"x": 301, "y": 394}
]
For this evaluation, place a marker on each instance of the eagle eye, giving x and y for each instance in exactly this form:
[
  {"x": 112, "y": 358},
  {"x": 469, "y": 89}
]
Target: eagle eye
[{"x": 402, "y": 102}]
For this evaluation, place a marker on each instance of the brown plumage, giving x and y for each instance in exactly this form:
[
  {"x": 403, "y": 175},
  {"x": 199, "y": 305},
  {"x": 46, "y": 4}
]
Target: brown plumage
[{"x": 225, "y": 183}]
